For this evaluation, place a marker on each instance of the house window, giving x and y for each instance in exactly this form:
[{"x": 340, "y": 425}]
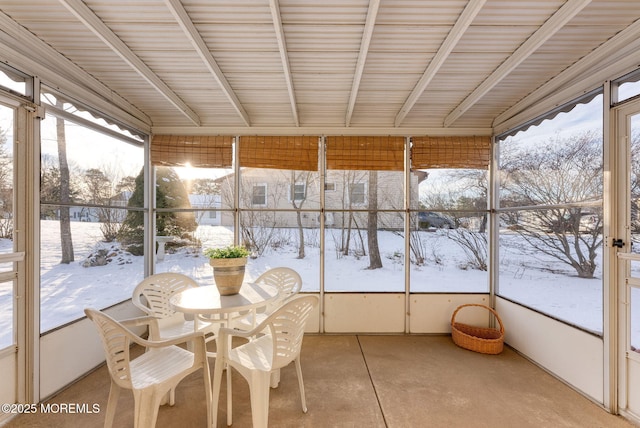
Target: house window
[
  {"x": 356, "y": 194},
  {"x": 259, "y": 195},
  {"x": 213, "y": 214},
  {"x": 329, "y": 187},
  {"x": 298, "y": 192}
]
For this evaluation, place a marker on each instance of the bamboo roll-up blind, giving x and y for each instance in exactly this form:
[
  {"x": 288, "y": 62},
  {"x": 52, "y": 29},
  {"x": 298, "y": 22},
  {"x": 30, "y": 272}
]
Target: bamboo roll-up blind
[
  {"x": 365, "y": 153},
  {"x": 293, "y": 152},
  {"x": 451, "y": 152},
  {"x": 197, "y": 151}
]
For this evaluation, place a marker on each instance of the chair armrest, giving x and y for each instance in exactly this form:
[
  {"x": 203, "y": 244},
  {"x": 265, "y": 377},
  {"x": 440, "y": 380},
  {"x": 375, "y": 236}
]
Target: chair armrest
[
  {"x": 189, "y": 337},
  {"x": 247, "y": 334},
  {"x": 139, "y": 305},
  {"x": 138, "y": 321}
]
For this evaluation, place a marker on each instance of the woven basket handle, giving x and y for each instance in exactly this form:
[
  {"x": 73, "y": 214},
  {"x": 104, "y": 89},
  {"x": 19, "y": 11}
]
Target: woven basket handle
[{"x": 495, "y": 314}]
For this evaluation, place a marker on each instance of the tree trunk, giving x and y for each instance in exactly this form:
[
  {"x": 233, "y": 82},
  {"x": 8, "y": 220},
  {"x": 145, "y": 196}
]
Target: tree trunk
[
  {"x": 483, "y": 224},
  {"x": 66, "y": 241},
  {"x": 347, "y": 242},
  {"x": 301, "y": 236},
  {"x": 301, "y": 253},
  {"x": 375, "y": 262}
]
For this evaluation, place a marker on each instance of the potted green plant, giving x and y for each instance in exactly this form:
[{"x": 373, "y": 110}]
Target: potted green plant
[{"x": 228, "y": 267}]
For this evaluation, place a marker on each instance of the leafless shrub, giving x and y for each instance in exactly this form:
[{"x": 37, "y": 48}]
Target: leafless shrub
[
  {"x": 6, "y": 228},
  {"x": 474, "y": 245}
]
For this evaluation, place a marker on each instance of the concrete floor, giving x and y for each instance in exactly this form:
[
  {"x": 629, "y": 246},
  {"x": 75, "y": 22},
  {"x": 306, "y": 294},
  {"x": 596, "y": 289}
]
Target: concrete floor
[{"x": 370, "y": 381}]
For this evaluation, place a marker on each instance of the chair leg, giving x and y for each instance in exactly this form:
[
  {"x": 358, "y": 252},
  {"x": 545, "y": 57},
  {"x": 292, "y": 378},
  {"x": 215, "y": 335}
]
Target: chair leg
[
  {"x": 229, "y": 398},
  {"x": 112, "y": 403},
  {"x": 146, "y": 404},
  {"x": 207, "y": 390},
  {"x": 275, "y": 378},
  {"x": 301, "y": 385},
  {"x": 259, "y": 392},
  {"x": 217, "y": 381}
]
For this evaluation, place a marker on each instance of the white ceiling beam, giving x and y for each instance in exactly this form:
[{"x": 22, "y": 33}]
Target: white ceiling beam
[
  {"x": 104, "y": 33},
  {"x": 284, "y": 57},
  {"x": 608, "y": 52},
  {"x": 319, "y": 130},
  {"x": 569, "y": 10},
  {"x": 370, "y": 22},
  {"x": 462, "y": 24},
  {"x": 190, "y": 30}
]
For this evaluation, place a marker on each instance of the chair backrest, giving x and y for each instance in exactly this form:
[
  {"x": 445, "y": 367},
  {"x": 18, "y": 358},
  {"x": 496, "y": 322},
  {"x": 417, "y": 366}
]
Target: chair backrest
[
  {"x": 157, "y": 289},
  {"x": 287, "y": 280},
  {"x": 286, "y": 327},
  {"x": 116, "y": 341}
]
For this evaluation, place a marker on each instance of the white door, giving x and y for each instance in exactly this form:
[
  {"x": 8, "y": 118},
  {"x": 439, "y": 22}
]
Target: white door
[
  {"x": 11, "y": 261},
  {"x": 628, "y": 254}
]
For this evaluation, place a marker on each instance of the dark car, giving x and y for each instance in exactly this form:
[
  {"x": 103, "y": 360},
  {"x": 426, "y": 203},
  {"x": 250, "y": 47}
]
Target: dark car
[{"x": 427, "y": 219}]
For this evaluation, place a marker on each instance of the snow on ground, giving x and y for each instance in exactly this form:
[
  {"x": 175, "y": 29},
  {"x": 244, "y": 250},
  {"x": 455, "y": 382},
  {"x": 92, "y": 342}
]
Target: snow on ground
[{"x": 542, "y": 284}]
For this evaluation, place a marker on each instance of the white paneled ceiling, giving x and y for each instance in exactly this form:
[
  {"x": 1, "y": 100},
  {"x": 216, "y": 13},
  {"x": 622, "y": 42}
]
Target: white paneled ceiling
[{"x": 293, "y": 66}]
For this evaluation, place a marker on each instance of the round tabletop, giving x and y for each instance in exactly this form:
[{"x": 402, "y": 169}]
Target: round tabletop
[{"x": 207, "y": 299}]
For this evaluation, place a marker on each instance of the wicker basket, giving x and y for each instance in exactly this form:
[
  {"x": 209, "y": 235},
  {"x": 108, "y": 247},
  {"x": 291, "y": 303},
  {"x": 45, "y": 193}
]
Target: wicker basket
[{"x": 479, "y": 339}]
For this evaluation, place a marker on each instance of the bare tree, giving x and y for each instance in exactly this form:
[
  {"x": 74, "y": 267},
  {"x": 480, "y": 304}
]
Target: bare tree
[
  {"x": 555, "y": 175},
  {"x": 375, "y": 262},
  {"x": 97, "y": 186},
  {"x": 474, "y": 245},
  {"x": 126, "y": 184},
  {"x": 205, "y": 186},
  {"x": 635, "y": 185},
  {"x": 102, "y": 189},
  {"x": 66, "y": 240},
  {"x": 352, "y": 182},
  {"x": 300, "y": 183},
  {"x": 259, "y": 227},
  {"x": 6, "y": 188}
]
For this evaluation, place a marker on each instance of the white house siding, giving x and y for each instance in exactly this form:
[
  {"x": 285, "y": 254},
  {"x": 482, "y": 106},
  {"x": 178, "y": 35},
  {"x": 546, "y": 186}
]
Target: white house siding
[
  {"x": 270, "y": 210},
  {"x": 211, "y": 206}
]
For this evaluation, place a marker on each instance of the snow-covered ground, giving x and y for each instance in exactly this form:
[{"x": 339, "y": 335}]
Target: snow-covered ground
[{"x": 68, "y": 289}]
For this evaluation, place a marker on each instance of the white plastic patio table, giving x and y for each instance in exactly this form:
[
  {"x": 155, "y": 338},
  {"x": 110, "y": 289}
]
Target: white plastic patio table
[{"x": 206, "y": 300}]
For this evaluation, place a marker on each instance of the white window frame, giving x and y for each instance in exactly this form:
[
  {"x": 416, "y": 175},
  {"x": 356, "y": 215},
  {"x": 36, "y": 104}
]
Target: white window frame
[
  {"x": 253, "y": 188},
  {"x": 293, "y": 194}
]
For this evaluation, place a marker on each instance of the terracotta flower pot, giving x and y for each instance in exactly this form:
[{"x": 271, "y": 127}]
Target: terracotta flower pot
[{"x": 228, "y": 274}]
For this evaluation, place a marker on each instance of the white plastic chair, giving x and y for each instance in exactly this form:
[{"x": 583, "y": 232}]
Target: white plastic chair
[
  {"x": 279, "y": 345},
  {"x": 157, "y": 289},
  {"x": 152, "y": 375},
  {"x": 286, "y": 280}
]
